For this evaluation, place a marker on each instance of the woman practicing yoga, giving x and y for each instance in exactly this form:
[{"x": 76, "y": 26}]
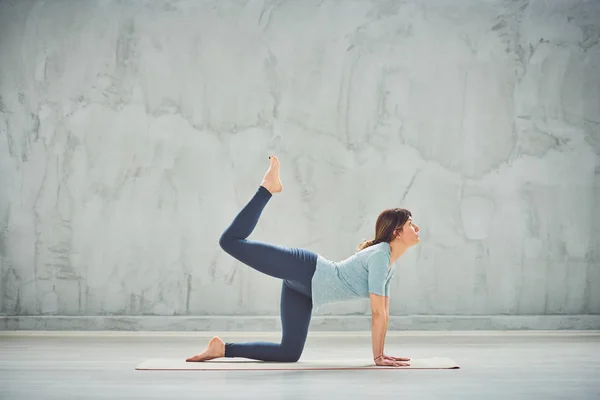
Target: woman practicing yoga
[{"x": 312, "y": 280}]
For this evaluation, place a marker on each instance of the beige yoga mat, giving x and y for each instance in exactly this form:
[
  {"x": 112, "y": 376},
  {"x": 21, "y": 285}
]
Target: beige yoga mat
[{"x": 171, "y": 364}]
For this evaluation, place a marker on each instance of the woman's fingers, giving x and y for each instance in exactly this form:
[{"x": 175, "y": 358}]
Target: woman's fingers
[
  {"x": 402, "y": 364},
  {"x": 391, "y": 363}
]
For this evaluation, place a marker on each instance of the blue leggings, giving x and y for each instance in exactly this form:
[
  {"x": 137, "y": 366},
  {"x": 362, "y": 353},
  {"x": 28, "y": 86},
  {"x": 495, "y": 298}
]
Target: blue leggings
[{"x": 294, "y": 266}]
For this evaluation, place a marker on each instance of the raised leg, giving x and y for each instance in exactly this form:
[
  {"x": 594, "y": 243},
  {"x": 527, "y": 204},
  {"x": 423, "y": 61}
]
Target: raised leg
[{"x": 277, "y": 261}]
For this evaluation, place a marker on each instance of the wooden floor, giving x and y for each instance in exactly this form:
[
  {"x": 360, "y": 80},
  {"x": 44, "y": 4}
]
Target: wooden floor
[{"x": 527, "y": 365}]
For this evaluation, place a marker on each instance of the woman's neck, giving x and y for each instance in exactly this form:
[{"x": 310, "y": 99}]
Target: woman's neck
[{"x": 397, "y": 249}]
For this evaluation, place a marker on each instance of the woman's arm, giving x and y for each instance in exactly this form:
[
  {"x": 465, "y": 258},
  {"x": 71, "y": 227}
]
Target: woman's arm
[
  {"x": 378, "y": 265},
  {"x": 379, "y": 321},
  {"x": 387, "y": 307},
  {"x": 387, "y": 318}
]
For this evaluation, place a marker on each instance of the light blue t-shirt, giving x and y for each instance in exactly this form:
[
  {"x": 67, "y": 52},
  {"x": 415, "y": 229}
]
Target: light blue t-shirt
[{"x": 367, "y": 271}]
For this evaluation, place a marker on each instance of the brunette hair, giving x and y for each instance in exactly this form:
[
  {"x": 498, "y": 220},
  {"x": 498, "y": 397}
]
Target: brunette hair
[{"x": 387, "y": 222}]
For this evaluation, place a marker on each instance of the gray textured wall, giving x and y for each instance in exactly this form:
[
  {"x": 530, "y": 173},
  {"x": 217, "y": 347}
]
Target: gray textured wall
[{"x": 132, "y": 132}]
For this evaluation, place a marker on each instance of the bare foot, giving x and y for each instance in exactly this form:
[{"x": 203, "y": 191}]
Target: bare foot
[
  {"x": 215, "y": 349},
  {"x": 271, "y": 180}
]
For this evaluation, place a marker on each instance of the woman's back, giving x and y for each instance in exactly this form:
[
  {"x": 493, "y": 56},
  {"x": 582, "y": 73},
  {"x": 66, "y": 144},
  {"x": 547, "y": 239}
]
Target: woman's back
[{"x": 367, "y": 271}]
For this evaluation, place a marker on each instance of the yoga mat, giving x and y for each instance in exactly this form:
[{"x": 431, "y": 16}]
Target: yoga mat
[{"x": 173, "y": 364}]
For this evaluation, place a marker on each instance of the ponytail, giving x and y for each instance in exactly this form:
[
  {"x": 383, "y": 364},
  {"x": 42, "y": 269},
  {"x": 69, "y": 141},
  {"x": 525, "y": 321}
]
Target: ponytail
[{"x": 366, "y": 243}]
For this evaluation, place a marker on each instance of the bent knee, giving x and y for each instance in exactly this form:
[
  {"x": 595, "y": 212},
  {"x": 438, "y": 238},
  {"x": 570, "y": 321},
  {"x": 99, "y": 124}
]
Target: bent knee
[
  {"x": 227, "y": 242},
  {"x": 290, "y": 358},
  {"x": 224, "y": 241},
  {"x": 291, "y": 354}
]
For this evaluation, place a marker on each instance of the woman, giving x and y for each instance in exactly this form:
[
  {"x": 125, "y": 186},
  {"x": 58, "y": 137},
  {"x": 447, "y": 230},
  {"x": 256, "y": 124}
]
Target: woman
[{"x": 311, "y": 280}]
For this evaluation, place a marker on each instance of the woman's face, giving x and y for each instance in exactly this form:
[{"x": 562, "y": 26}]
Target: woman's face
[{"x": 409, "y": 234}]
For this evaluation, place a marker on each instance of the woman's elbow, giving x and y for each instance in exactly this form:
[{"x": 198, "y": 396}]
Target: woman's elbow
[{"x": 377, "y": 305}]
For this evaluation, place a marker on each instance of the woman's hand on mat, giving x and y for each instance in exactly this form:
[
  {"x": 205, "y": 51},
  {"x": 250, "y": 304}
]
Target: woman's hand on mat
[
  {"x": 388, "y": 362},
  {"x": 396, "y": 358}
]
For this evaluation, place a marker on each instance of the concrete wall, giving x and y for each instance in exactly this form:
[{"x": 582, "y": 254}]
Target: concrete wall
[{"x": 132, "y": 132}]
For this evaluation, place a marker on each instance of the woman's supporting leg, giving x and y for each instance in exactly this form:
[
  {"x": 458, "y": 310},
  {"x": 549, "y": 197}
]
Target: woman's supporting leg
[
  {"x": 280, "y": 262},
  {"x": 296, "y": 311}
]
